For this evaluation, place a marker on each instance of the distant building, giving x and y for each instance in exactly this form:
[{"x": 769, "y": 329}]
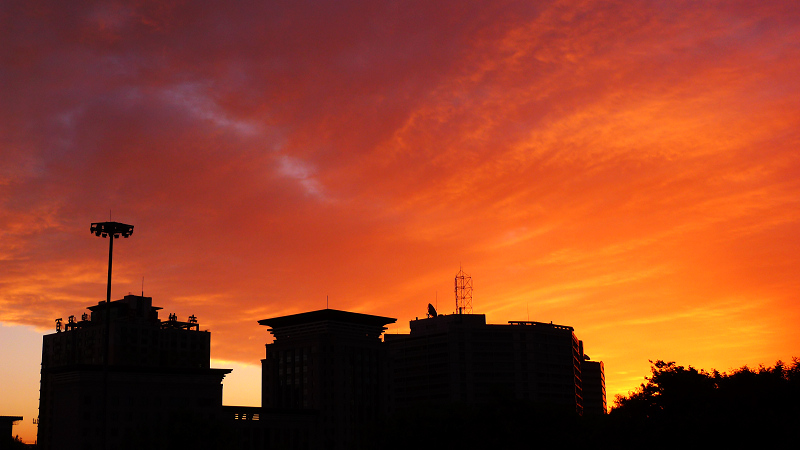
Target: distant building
[
  {"x": 461, "y": 358},
  {"x": 156, "y": 387}
]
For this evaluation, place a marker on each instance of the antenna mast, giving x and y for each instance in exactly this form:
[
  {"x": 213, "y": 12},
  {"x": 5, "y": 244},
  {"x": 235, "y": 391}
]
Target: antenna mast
[{"x": 463, "y": 292}]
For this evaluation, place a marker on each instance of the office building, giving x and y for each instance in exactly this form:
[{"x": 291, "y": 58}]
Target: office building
[
  {"x": 332, "y": 363},
  {"x": 460, "y": 358},
  {"x": 156, "y": 387}
]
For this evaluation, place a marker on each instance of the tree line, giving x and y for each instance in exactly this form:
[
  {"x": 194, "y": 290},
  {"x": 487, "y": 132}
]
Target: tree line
[{"x": 750, "y": 405}]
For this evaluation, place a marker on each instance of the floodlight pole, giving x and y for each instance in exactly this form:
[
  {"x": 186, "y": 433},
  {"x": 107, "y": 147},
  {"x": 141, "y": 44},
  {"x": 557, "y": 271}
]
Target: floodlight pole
[
  {"x": 112, "y": 230},
  {"x": 108, "y": 287}
]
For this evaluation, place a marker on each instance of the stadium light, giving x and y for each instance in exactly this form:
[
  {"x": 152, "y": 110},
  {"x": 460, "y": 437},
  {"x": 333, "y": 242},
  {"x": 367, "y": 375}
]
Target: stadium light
[{"x": 113, "y": 230}]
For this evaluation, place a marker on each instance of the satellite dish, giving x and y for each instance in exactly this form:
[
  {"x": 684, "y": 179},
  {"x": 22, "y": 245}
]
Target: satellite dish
[{"x": 431, "y": 311}]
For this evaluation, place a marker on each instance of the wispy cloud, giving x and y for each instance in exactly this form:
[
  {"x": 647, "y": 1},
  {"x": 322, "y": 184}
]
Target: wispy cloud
[{"x": 295, "y": 169}]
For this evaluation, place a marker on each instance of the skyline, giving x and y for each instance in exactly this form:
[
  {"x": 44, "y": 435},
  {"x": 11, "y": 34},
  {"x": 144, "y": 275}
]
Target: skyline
[{"x": 629, "y": 169}]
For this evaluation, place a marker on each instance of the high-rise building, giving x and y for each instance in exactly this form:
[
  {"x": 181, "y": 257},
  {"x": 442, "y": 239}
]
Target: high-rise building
[
  {"x": 332, "y": 362},
  {"x": 461, "y": 358},
  {"x": 157, "y": 385}
]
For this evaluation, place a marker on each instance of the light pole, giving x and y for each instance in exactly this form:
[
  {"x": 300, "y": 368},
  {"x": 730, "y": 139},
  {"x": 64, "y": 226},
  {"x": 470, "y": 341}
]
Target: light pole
[{"x": 111, "y": 230}]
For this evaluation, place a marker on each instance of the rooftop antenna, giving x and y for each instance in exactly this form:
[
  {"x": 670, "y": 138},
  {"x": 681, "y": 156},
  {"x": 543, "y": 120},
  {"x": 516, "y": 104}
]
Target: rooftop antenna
[
  {"x": 326, "y": 302},
  {"x": 142, "y": 286},
  {"x": 431, "y": 311},
  {"x": 463, "y": 291}
]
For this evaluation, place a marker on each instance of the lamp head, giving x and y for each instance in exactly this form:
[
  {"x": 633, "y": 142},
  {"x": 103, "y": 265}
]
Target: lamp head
[{"x": 115, "y": 229}]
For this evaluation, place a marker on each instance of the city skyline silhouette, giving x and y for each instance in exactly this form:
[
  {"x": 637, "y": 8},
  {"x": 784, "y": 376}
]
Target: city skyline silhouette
[
  {"x": 328, "y": 385},
  {"x": 626, "y": 169},
  {"x": 124, "y": 377}
]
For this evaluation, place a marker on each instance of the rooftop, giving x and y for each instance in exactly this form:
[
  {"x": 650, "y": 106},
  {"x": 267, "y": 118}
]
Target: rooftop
[{"x": 327, "y": 315}]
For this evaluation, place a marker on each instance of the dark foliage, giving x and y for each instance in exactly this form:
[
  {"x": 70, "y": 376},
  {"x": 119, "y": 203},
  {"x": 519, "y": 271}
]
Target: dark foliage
[{"x": 710, "y": 408}]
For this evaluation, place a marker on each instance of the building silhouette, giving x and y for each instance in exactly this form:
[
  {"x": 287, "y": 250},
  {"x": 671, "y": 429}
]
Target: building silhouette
[
  {"x": 156, "y": 387},
  {"x": 327, "y": 377},
  {"x": 460, "y": 358},
  {"x": 331, "y": 362},
  {"x": 594, "y": 387}
]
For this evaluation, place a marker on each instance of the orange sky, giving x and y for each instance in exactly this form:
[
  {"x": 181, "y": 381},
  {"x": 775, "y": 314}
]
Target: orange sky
[{"x": 628, "y": 168}]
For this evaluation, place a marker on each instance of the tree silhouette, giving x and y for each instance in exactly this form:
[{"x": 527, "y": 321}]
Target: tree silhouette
[{"x": 710, "y": 408}]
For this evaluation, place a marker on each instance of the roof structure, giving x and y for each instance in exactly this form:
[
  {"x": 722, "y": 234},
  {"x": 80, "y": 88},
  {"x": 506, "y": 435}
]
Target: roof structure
[{"x": 324, "y": 315}]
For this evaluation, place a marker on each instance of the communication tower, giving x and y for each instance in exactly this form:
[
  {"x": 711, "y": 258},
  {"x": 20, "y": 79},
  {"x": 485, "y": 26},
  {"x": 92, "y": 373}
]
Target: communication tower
[{"x": 463, "y": 292}]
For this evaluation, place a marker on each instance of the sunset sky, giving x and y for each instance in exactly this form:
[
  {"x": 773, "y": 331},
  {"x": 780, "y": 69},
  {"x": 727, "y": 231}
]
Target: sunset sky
[{"x": 627, "y": 168}]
